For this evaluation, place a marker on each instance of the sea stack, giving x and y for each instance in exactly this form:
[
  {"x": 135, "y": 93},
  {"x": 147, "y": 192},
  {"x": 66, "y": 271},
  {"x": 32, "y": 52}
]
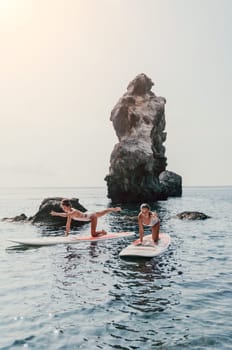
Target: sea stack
[{"x": 138, "y": 163}]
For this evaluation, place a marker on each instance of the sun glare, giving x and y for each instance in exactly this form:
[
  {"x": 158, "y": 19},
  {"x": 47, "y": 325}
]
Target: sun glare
[{"x": 8, "y": 5}]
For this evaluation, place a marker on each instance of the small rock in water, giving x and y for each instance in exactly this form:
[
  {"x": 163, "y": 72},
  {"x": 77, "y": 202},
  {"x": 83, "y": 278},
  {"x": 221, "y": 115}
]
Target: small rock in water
[
  {"x": 192, "y": 215},
  {"x": 21, "y": 217}
]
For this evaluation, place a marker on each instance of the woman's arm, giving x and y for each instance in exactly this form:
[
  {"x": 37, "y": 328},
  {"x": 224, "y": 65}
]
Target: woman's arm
[
  {"x": 154, "y": 214},
  {"x": 141, "y": 230},
  {"x": 55, "y": 213},
  {"x": 68, "y": 225}
]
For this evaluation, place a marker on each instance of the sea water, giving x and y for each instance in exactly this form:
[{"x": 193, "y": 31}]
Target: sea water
[{"x": 85, "y": 297}]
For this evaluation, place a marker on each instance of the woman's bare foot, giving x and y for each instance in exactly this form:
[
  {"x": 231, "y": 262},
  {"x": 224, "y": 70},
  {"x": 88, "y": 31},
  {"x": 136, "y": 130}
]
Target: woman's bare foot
[
  {"x": 116, "y": 209},
  {"x": 100, "y": 233}
]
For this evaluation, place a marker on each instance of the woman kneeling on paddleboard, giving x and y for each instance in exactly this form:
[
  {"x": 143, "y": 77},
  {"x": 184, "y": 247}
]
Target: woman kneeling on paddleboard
[
  {"x": 148, "y": 218},
  {"x": 72, "y": 213}
]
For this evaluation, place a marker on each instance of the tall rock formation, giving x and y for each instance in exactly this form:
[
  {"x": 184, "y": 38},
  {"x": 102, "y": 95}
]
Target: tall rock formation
[{"x": 138, "y": 160}]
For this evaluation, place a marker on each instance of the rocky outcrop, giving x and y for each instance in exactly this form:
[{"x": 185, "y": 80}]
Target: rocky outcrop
[
  {"x": 48, "y": 204},
  {"x": 43, "y": 217},
  {"x": 171, "y": 183},
  {"x": 22, "y": 217},
  {"x": 139, "y": 158},
  {"x": 192, "y": 215}
]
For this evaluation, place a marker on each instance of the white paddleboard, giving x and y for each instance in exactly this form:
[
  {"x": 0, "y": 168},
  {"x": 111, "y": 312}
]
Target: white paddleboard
[
  {"x": 48, "y": 241},
  {"x": 148, "y": 249}
]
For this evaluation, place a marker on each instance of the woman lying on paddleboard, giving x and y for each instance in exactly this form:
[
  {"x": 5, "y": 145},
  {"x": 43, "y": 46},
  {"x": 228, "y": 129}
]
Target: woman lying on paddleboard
[
  {"x": 72, "y": 213},
  {"x": 148, "y": 218}
]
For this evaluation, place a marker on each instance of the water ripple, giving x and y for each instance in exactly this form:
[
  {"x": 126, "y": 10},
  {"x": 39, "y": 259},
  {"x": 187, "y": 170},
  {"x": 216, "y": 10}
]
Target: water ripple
[{"x": 86, "y": 297}]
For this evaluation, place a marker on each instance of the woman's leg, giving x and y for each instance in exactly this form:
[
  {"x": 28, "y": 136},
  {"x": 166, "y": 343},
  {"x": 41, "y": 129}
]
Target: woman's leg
[
  {"x": 94, "y": 217},
  {"x": 155, "y": 232},
  {"x": 106, "y": 211},
  {"x": 95, "y": 233}
]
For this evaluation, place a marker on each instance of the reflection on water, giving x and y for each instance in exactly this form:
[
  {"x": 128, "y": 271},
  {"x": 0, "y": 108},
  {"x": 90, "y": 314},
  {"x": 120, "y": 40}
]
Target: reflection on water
[
  {"x": 19, "y": 248},
  {"x": 85, "y": 297}
]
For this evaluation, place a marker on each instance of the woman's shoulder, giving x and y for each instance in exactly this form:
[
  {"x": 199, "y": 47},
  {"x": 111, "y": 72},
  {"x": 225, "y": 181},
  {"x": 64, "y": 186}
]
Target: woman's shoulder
[{"x": 74, "y": 211}]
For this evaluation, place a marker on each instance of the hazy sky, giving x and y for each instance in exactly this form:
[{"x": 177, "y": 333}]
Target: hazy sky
[{"x": 65, "y": 63}]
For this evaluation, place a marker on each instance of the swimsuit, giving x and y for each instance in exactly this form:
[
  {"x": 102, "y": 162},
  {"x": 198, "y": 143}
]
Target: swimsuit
[
  {"x": 153, "y": 221},
  {"x": 86, "y": 217}
]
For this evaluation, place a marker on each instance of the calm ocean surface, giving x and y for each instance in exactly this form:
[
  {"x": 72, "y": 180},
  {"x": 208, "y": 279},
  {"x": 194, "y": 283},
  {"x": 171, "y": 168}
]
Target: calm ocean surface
[{"x": 86, "y": 297}]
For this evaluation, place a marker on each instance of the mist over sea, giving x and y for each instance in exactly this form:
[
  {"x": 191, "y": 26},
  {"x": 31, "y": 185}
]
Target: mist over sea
[{"x": 84, "y": 296}]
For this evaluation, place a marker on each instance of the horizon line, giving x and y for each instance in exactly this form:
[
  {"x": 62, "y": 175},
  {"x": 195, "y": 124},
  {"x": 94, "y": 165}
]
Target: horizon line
[{"x": 97, "y": 186}]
